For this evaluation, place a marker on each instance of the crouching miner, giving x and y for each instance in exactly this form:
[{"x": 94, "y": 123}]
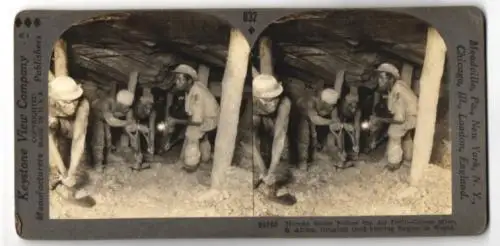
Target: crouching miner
[
  {"x": 270, "y": 110},
  {"x": 315, "y": 110},
  {"x": 203, "y": 111},
  {"x": 402, "y": 104},
  {"x": 68, "y": 120},
  {"x": 110, "y": 112}
]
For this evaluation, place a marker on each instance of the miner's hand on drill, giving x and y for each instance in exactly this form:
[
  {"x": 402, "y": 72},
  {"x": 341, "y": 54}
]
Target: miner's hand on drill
[
  {"x": 151, "y": 149},
  {"x": 336, "y": 126},
  {"x": 142, "y": 128},
  {"x": 348, "y": 127},
  {"x": 355, "y": 148},
  {"x": 134, "y": 127}
]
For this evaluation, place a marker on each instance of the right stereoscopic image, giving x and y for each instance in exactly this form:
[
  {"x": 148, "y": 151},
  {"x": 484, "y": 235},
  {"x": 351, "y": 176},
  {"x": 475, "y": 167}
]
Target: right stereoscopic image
[{"x": 349, "y": 116}]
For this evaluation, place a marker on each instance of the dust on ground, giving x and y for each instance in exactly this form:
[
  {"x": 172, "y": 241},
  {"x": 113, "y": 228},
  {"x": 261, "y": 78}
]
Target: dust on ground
[
  {"x": 166, "y": 190},
  {"x": 366, "y": 189}
]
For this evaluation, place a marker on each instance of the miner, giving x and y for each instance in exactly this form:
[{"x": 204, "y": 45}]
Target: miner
[
  {"x": 144, "y": 111},
  {"x": 145, "y": 117},
  {"x": 68, "y": 119},
  {"x": 350, "y": 116},
  {"x": 315, "y": 110},
  {"x": 402, "y": 104},
  {"x": 271, "y": 110},
  {"x": 110, "y": 112},
  {"x": 202, "y": 110}
]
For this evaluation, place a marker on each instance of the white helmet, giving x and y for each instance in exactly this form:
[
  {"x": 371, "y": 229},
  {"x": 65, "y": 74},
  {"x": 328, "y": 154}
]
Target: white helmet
[
  {"x": 64, "y": 88},
  {"x": 389, "y": 68},
  {"x": 329, "y": 96},
  {"x": 125, "y": 97},
  {"x": 266, "y": 86},
  {"x": 186, "y": 69}
]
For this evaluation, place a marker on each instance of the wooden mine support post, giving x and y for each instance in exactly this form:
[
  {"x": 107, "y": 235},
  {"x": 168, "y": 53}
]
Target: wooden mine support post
[
  {"x": 133, "y": 80},
  {"x": 203, "y": 74},
  {"x": 266, "y": 59},
  {"x": 60, "y": 59},
  {"x": 407, "y": 73},
  {"x": 430, "y": 81},
  {"x": 415, "y": 85},
  {"x": 232, "y": 92},
  {"x": 339, "y": 81},
  {"x": 114, "y": 88}
]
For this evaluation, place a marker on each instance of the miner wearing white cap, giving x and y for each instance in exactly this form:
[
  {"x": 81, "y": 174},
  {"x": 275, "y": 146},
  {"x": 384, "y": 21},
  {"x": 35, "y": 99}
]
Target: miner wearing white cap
[
  {"x": 110, "y": 112},
  {"x": 402, "y": 103},
  {"x": 315, "y": 109},
  {"x": 68, "y": 119},
  {"x": 203, "y": 111},
  {"x": 270, "y": 110}
]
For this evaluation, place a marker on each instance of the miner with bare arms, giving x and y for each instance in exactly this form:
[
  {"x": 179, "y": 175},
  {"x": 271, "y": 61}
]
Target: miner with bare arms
[
  {"x": 378, "y": 107},
  {"x": 350, "y": 116},
  {"x": 203, "y": 111},
  {"x": 315, "y": 109},
  {"x": 270, "y": 110},
  {"x": 110, "y": 112},
  {"x": 144, "y": 117},
  {"x": 68, "y": 120},
  {"x": 144, "y": 112},
  {"x": 402, "y": 104}
]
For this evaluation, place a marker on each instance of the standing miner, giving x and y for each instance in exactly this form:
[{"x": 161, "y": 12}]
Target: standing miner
[
  {"x": 203, "y": 111},
  {"x": 402, "y": 103},
  {"x": 110, "y": 112},
  {"x": 271, "y": 110},
  {"x": 68, "y": 119},
  {"x": 315, "y": 110}
]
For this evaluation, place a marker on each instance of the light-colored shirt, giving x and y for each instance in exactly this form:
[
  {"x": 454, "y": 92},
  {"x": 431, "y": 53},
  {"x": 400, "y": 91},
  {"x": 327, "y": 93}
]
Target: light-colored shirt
[
  {"x": 201, "y": 105},
  {"x": 402, "y": 101}
]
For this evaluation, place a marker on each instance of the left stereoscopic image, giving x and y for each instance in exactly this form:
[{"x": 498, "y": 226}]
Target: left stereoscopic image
[{"x": 134, "y": 104}]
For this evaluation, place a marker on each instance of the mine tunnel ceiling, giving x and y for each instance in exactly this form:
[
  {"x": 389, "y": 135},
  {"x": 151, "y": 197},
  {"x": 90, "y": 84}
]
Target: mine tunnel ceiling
[
  {"x": 315, "y": 46},
  {"x": 308, "y": 47},
  {"x": 109, "y": 48}
]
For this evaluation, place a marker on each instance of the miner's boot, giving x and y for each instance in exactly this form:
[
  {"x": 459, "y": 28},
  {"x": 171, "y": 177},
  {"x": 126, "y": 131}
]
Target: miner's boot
[
  {"x": 139, "y": 163},
  {"x": 69, "y": 194},
  {"x": 206, "y": 150},
  {"x": 285, "y": 199},
  {"x": 407, "y": 148}
]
